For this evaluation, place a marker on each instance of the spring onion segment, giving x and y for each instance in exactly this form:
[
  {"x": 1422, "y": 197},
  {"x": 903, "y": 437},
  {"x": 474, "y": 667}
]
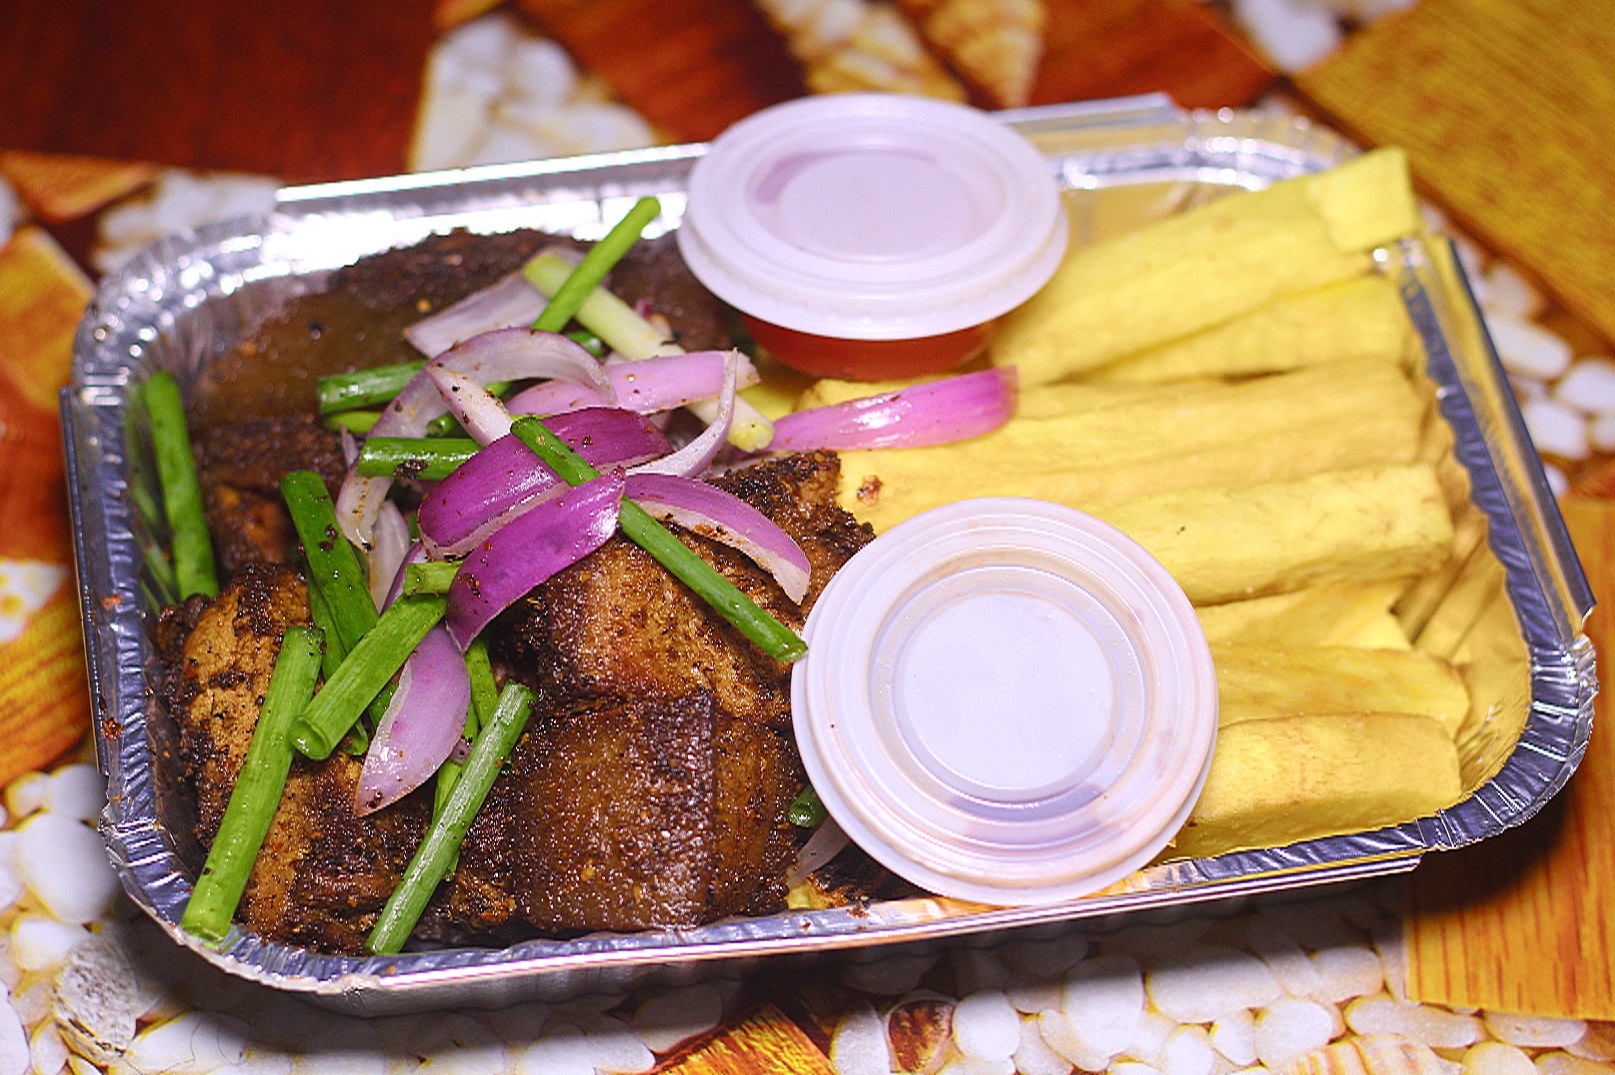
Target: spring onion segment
[
  {"x": 407, "y": 458},
  {"x": 368, "y": 668},
  {"x": 257, "y": 791},
  {"x": 192, "y": 547},
  {"x": 374, "y": 387},
  {"x": 582, "y": 281},
  {"x": 431, "y": 860},
  {"x": 773, "y": 637},
  {"x": 333, "y": 568}
]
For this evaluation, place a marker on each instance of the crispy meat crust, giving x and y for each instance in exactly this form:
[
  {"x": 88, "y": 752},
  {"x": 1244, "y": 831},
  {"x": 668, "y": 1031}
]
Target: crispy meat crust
[{"x": 617, "y": 626}]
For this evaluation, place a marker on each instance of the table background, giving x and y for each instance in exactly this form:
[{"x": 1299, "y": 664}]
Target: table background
[{"x": 1505, "y": 109}]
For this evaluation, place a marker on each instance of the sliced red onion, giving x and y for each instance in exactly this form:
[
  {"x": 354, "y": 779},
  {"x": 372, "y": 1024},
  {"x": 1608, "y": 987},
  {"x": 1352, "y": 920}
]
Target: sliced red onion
[
  {"x": 647, "y": 385},
  {"x": 696, "y": 456},
  {"x": 528, "y": 550},
  {"x": 825, "y": 844},
  {"x": 501, "y": 355},
  {"x": 509, "y": 303},
  {"x": 477, "y": 410},
  {"x": 937, "y": 412},
  {"x": 709, "y": 511},
  {"x": 388, "y": 548},
  {"x": 506, "y": 479},
  {"x": 423, "y": 722}
]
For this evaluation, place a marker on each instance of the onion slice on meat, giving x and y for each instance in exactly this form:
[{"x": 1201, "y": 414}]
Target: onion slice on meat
[
  {"x": 528, "y": 550},
  {"x": 388, "y": 548},
  {"x": 825, "y": 844},
  {"x": 423, "y": 722},
  {"x": 647, "y": 385},
  {"x": 936, "y": 412},
  {"x": 501, "y": 355},
  {"x": 510, "y": 302},
  {"x": 505, "y": 479},
  {"x": 696, "y": 456},
  {"x": 478, "y": 410},
  {"x": 709, "y": 511}
]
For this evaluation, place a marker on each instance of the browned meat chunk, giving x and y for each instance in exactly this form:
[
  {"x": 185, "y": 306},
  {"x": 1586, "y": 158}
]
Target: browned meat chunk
[
  {"x": 617, "y": 625},
  {"x": 631, "y": 816},
  {"x": 240, "y": 467},
  {"x": 323, "y": 873}
]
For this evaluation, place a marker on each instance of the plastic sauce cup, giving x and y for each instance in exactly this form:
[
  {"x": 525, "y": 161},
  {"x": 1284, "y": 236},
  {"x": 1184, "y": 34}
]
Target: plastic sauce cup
[
  {"x": 872, "y": 236},
  {"x": 1006, "y": 701}
]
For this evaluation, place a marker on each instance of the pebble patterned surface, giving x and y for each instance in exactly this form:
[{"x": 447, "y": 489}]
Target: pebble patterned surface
[{"x": 1309, "y": 987}]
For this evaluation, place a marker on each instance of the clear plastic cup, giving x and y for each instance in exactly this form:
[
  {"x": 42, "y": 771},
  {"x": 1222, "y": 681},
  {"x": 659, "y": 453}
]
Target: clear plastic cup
[
  {"x": 872, "y": 236},
  {"x": 1006, "y": 701}
]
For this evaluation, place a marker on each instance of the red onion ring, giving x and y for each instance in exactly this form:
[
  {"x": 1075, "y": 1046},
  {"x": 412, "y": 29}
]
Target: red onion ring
[
  {"x": 646, "y": 385},
  {"x": 512, "y": 301},
  {"x": 528, "y": 550},
  {"x": 937, "y": 412},
  {"x": 709, "y": 511},
  {"x": 505, "y": 479},
  {"x": 389, "y": 547},
  {"x": 696, "y": 456},
  {"x": 501, "y": 355},
  {"x": 423, "y": 722}
]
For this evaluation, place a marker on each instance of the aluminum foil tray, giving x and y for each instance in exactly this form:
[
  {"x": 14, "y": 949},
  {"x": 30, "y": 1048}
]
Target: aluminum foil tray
[{"x": 184, "y": 301}]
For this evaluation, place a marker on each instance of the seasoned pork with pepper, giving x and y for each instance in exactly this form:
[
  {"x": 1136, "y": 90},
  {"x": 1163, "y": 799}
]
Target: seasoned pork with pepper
[{"x": 652, "y": 784}]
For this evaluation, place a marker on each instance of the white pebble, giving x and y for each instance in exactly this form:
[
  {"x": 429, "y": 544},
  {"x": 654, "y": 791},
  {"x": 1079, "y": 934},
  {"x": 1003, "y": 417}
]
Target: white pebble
[
  {"x": 77, "y": 791},
  {"x": 1133, "y": 1067},
  {"x": 1052, "y": 956},
  {"x": 1589, "y": 386},
  {"x": 889, "y": 977},
  {"x": 1104, "y": 1000},
  {"x": 1428, "y": 1026},
  {"x": 520, "y": 1023},
  {"x": 11, "y": 887},
  {"x": 1497, "y": 1058},
  {"x": 1556, "y": 429},
  {"x": 1055, "y": 1030},
  {"x": 504, "y": 144},
  {"x": 666, "y": 1019},
  {"x": 39, "y": 942},
  {"x": 1511, "y": 293},
  {"x": 1529, "y": 350},
  {"x": 449, "y": 125},
  {"x": 32, "y": 1001},
  {"x": 986, "y": 1026},
  {"x": 483, "y": 43},
  {"x": 1535, "y": 1031},
  {"x": 1558, "y": 483},
  {"x": 459, "y": 1045},
  {"x": 1234, "y": 1036},
  {"x": 1566, "y": 1064},
  {"x": 1034, "y": 1057},
  {"x": 10, "y": 973},
  {"x": 1601, "y": 432},
  {"x": 859, "y": 1045},
  {"x": 1149, "y": 1038},
  {"x": 1295, "y": 973},
  {"x": 1188, "y": 1052},
  {"x": 977, "y": 968},
  {"x": 1292, "y": 1028},
  {"x": 26, "y": 794},
  {"x": 1529, "y": 388},
  {"x": 563, "y": 1050},
  {"x": 16, "y": 1057},
  {"x": 48, "y": 1050},
  {"x": 599, "y": 127},
  {"x": 64, "y": 863},
  {"x": 615, "y": 1048},
  {"x": 1293, "y": 35},
  {"x": 1204, "y": 984},
  {"x": 1031, "y": 996},
  {"x": 540, "y": 71},
  {"x": 195, "y": 1042},
  {"x": 10, "y": 213},
  {"x": 970, "y": 1065}
]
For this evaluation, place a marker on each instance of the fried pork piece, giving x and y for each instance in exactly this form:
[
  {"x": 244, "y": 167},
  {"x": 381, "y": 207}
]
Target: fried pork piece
[
  {"x": 323, "y": 874},
  {"x": 618, "y": 626},
  {"x": 240, "y": 467},
  {"x": 629, "y": 816}
]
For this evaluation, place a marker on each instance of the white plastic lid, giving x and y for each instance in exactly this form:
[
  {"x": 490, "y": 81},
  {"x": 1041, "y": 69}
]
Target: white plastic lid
[
  {"x": 873, "y": 217},
  {"x": 1006, "y": 701}
]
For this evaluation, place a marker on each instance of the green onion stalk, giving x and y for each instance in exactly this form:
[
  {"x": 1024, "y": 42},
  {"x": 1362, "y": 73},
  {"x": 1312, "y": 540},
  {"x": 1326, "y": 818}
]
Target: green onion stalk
[{"x": 194, "y": 568}]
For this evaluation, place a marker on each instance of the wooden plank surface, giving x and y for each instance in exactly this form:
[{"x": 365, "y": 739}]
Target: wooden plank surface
[
  {"x": 1507, "y": 111},
  {"x": 1521, "y": 922}
]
